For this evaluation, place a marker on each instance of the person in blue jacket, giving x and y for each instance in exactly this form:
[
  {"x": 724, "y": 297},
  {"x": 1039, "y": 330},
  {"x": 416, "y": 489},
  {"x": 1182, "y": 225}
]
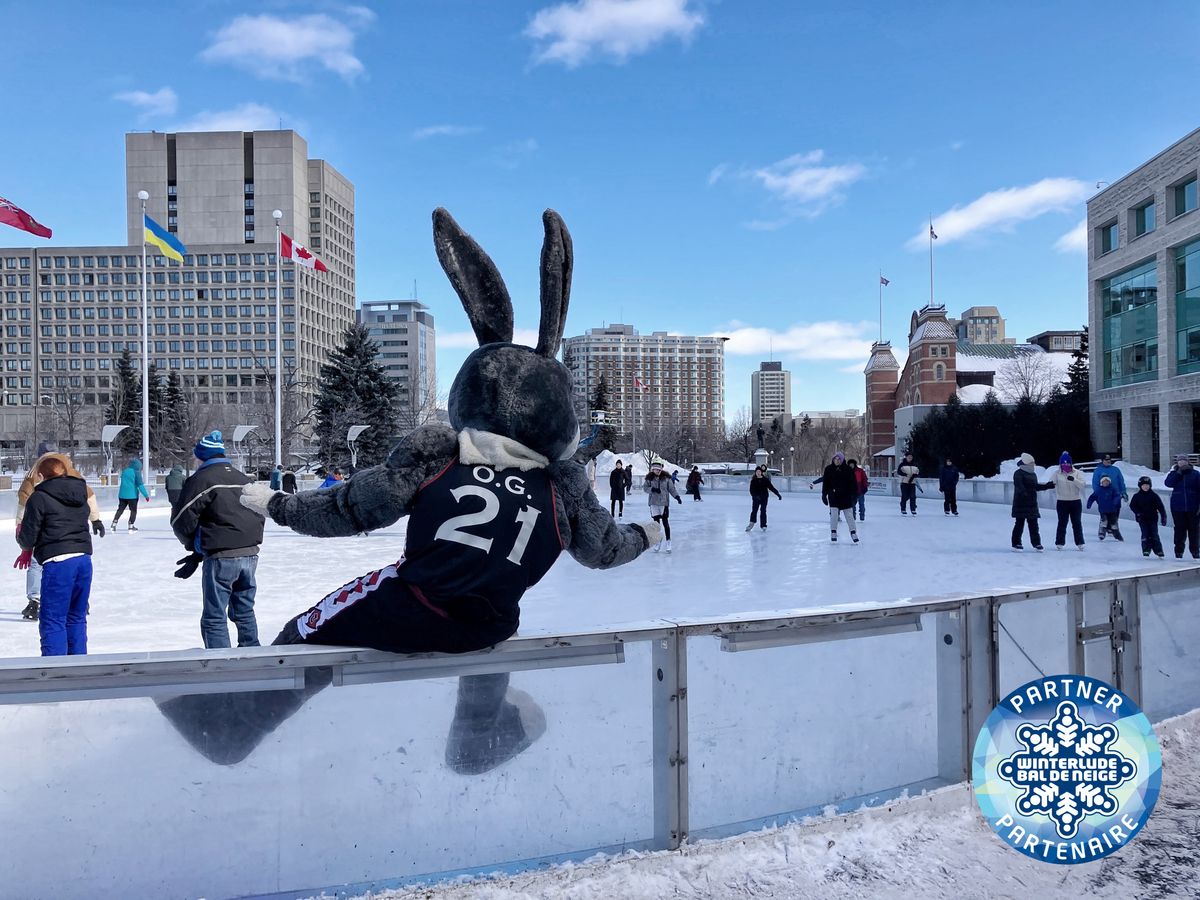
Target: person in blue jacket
[
  {"x": 332, "y": 478},
  {"x": 1184, "y": 482},
  {"x": 1108, "y": 470},
  {"x": 948, "y": 485},
  {"x": 1108, "y": 500},
  {"x": 277, "y": 478},
  {"x": 127, "y": 496}
]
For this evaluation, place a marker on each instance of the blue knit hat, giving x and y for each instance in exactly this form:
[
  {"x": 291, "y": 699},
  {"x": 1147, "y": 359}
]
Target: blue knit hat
[
  {"x": 1065, "y": 459},
  {"x": 210, "y": 447}
]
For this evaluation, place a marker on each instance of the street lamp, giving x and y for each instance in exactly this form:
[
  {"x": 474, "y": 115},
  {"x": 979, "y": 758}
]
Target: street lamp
[
  {"x": 277, "y": 215},
  {"x": 791, "y": 461}
]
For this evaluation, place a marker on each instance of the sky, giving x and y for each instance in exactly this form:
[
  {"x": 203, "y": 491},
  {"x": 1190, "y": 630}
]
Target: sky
[{"x": 737, "y": 168}]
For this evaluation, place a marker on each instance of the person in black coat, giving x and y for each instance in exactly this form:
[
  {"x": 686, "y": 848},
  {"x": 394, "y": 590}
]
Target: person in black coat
[
  {"x": 1147, "y": 507},
  {"x": 948, "y": 485},
  {"x": 618, "y": 484},
  {"x": 839, "y": 491},
  {"x": 1024, "y": 504},
  {"x": 289, "y": 481},
  {"x": 760, "y": 492}
]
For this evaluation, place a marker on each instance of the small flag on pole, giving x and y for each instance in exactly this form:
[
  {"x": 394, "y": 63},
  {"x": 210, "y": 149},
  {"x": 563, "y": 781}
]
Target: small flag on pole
[
  {"x": 11, "y": 214},
  {"x": 640, "y": 385},
  {"x": 171, "y": 246},
  {"x": 932, "y": 233},
  {"x": 300, "y": 255},
  {"x": 884, "y": 281}
]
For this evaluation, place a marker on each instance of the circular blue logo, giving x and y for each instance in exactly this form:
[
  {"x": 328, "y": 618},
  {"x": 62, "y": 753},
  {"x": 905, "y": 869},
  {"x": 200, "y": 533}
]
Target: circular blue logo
[{"x": 1066, "y": 769}]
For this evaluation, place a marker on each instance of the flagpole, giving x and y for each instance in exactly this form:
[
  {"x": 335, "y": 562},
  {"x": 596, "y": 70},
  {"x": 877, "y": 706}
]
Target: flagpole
[
  {"x": 931, "y": 260},
  {"x": 144, "y": 196},
  {"x": 636, "y": 394},
  {"x": 881, "y": 306},
  {"x": 278, "y": 214}
]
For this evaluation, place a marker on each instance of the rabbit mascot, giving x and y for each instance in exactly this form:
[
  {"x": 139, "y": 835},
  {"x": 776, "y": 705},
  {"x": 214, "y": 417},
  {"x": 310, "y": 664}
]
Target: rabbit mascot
[{"x": 491, "y": 502}]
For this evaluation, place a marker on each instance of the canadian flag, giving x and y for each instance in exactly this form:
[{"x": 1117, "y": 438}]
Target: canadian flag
[
  {"x": 640, "y": 385},
  {"x": 300, "y": 255}
]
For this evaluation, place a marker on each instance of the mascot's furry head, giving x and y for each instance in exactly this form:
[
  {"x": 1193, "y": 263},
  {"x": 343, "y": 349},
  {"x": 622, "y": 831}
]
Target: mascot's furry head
[{"x": 504, "y": 388}]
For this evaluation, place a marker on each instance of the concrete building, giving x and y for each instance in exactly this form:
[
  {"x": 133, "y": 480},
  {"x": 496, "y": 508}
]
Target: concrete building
[
  {"x": 770, "y": 392},
  {"x": 1058, "y": 341},
  {"x": 1144, "y": 309},
  {"x": 684, "y": 377},
  {"x": 212, "y": 318},
  {"x": 404, "y": 331},
  {"x": 981, "y": 325}
]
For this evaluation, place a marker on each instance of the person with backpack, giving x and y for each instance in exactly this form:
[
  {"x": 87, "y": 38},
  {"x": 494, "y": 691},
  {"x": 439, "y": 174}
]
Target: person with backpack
[
  {"x": 1184, "y": 482},
  {"x": 127, "y": 495},
  {"x": 694, "y": 480},
  {"x": 1108, "y": 500},
  {"x": 1147, "y": 508},
  {"x": 839, "y": 491},
  {"x": 616, "y": 490},
  {"x": 760, "y": 493},
  {"x": 948, "y": 485}
]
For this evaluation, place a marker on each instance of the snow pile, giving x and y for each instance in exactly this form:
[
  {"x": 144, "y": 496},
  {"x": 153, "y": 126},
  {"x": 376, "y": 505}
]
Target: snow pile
[
  {"x": 1131, "y": 472},
  {"x": 606, "y": 461},
  {"x": 935, "y": 845}
]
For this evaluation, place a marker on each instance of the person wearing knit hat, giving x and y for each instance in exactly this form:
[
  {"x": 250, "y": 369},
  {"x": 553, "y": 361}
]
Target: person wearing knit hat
[
  {"x": 1184, "y": 482},
  {"x": 223, "y": 536},
  {"x": 127, "y": 495},
  {"x": 1025, "y": 504},
  {"x": 1147, "y": 508},
  {"x": 1068, "y": 490}
]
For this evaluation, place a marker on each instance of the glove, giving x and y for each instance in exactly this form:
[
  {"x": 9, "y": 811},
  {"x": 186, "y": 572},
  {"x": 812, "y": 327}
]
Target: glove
[
  {"x": 257, "y": 496},
  {"x": 188, "y": 565},
  {"x": 24, "y": 560},
  {"x": 677, "y": 500},
  {"x": 824, "y": 500},
  {"x": 1070, "y": 478},
  {"x": 97, "y": 527},
  {"x": 1125, "y": 497}
]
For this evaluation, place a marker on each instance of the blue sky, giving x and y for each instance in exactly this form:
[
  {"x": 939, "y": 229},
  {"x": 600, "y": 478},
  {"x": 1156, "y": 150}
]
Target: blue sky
[{"x": 743, "y": 168}]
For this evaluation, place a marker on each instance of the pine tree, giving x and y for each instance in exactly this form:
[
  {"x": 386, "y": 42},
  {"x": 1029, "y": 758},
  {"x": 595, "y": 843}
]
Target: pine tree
[
  {"x": 1078, "y": 379},
  {"x": 175, "y": 438},
  {"x": 607, "y": 436},
  {"x": 353, "y": 389},
  {"x": 125, "y": 405}
]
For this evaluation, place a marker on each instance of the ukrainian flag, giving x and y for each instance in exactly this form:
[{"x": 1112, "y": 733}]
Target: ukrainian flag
[{"x": 164, "y": 240}]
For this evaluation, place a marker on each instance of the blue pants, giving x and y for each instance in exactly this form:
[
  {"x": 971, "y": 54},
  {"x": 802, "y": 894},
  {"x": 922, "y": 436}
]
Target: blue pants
[
  {"x": 33, "y": 580},
  {"x": 862, "y": 507},
  {"x": 62, "y": 621},
  {"x": 229, "y": 588}
]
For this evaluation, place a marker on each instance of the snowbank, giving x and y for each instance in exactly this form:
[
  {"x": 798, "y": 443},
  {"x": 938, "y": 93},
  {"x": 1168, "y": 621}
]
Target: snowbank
[
  {"x": 606, "y": 461},
  {"x": 1131, "y": 472}
]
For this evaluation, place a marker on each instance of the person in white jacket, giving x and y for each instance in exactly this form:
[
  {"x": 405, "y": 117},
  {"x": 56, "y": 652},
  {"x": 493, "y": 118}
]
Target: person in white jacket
[{"x": 1068, "y": 484}]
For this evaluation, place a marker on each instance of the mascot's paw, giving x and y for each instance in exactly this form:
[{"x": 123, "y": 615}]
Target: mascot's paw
[
  {"x": 257, "y": 496},
  {"x": 653, "y": 532}
]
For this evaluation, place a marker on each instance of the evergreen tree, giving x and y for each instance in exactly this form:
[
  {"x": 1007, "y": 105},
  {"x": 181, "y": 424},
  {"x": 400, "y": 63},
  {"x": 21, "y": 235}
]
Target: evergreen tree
[
  {"x": 600, "y": 403},
  {"x": 1078, "y": 379},
  {"x": 175, "y": 439},
  {"x": 125, "y": 405},
  {"x": 353, "y": 389}
]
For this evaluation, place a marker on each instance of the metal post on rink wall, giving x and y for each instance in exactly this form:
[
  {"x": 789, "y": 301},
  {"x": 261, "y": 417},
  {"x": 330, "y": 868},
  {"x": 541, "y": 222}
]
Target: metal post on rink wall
[
  {"x": 351, "y": 437},
  {"x": 668, "y": 669},
  {"x": 108, "y": 434},
  {"x": 1127, "y": 638}
]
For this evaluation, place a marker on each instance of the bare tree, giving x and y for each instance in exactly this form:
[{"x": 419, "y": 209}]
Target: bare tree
[
  {"x": 740, "y": 437},
  {"x": 1027, "y": 376},
  {"x": 422, "y": 407},
  {"x": 298, "y": 413}
]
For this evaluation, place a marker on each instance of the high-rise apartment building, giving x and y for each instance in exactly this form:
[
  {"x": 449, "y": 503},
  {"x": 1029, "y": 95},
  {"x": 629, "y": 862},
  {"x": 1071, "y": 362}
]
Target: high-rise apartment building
[
  {"x": 68, "y": 313},
  {"x": 404, "y": 331},
  {"x": 683, "y": 377},
  {"x": 770, "y": 392}
]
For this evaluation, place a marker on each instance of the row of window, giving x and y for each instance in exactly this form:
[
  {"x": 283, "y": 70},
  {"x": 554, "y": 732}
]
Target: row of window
[
  {"x": 1181, "y": 198},
  {"x": 152, "y": 260},
  {"x": 234, "y": 276}
]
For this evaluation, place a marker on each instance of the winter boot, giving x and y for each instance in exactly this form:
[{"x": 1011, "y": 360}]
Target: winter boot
[{"x": 30, "y": 611}]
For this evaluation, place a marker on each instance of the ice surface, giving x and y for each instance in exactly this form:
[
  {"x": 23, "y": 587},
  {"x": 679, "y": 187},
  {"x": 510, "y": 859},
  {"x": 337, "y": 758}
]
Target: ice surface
[{"x": 715, "y": 569}]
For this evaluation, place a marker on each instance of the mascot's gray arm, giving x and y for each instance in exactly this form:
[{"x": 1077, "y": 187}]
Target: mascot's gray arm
[
  {"x": 375, "y": 497},
  {"x": 590, "y": 534}
]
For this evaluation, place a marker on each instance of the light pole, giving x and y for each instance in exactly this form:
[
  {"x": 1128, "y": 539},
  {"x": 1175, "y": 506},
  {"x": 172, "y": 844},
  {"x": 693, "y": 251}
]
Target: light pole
[
  {"x": 277, "y": 215},
  {"x": 791, "y": 461},
  {"x": 144, "y": 196}
]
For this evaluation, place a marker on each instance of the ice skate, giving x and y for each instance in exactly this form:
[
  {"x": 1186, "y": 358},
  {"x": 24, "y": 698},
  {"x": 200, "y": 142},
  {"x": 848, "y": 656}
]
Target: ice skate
[
  {"x": 30, "y": 611},
  {"x": 833, "y": 537},
  {"x": 1146, "y": 553},
  {"x": 1038, "y": 547},
  {"x": 133, "y": 528},
  {"x": 667, "y": 547},
  {"x": 1117, "y": 535},
  {"x": 854, "y": 536},
  {"x": 1101, "y": 535},
  {"x": 1017, "y": 548},
  {"x": 1079, "y": 547},
  {"x": 750, "y": 527},
  {"x": 1159, "y": 554},
  {"x": 658, "y": 547}
]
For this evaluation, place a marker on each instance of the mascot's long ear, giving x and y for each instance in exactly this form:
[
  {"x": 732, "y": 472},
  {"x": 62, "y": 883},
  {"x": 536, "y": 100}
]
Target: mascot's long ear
[
  {"x": 475, "y": 279},
  {"x": 557, "y": 259}
]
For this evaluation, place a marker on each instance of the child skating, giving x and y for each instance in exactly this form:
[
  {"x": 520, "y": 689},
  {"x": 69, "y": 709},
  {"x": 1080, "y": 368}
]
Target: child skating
[{"x": 1147, "y": 507}]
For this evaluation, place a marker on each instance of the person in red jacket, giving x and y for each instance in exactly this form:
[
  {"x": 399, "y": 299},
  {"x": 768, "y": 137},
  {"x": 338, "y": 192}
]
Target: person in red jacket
[{"x": 860, "y": 478}]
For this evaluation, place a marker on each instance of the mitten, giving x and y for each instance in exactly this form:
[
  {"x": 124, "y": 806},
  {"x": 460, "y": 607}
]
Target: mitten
[
  {"x": 257, "y": 496},
  {"x": 97, "y": 527},
  {"x": 24, "y": 560},
  {"x": 677, "y": 500},
  {"x": 824, "y": 500},
  {"x": 188, "y": 565}
]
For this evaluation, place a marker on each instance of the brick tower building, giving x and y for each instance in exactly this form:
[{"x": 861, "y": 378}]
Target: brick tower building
[{"x": 882, "y": 373}]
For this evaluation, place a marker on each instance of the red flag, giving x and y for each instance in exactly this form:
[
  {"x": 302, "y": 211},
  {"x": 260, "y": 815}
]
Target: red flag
[
  {"x": 640, "y": 385},
  {"x": 300, "y": 255},
  {"x": 11, "y": 214}
]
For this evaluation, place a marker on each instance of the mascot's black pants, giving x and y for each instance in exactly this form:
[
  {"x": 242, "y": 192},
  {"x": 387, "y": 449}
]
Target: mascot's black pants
[{"x": 378, "y": 611}]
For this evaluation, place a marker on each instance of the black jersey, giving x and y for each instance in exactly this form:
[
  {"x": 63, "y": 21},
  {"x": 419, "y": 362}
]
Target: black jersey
[{"x": 479, "y": 537}]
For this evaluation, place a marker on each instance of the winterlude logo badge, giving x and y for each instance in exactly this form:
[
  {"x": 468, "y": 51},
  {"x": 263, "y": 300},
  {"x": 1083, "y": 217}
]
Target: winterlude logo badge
[{"x": 1066, "y": 769}]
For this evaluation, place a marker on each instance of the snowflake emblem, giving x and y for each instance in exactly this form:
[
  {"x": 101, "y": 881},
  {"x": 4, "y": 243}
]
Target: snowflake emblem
[{"x": 1067, "y": 769}]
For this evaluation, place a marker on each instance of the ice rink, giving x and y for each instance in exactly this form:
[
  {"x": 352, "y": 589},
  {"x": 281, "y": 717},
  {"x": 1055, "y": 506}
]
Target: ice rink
[{"x": 715, "y": 568}]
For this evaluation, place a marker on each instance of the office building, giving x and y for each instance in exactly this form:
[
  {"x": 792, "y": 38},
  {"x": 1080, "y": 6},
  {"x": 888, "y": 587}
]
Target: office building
[
  {"x": 683, "y": 378},
  {"x": 770, "y": 392},
  {"x": 1144, "y": 309},
  {"x": 404, "y": 331},
  {"x": 981, "y": 325},
  {"x": 1058, "y": 341}
]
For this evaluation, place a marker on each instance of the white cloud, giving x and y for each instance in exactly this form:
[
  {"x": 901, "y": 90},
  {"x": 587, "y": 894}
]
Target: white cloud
[
  {"x": 163, "y": 102},
  {"x": 289, "y": 48},
  {"x": 571, "y": 33},
  {"x": 957, "y": 145},
  {"x": 247, "y": 117},
  {"x": 431, "y": 131},
  {"x": 511, "y": 155},
  {"x": 1074, "y": 241},
  {"x": 1002, "y": 209},
  {"x": 803, "y": 184},
  {"x": 815, "y": 340},
  {"x": 466, "y": 340}
]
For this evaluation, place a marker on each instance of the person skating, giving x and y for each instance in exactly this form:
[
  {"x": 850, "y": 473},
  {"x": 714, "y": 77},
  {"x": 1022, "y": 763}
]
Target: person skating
[
  {"x": 1068, "y": 490},
  {"x": 694, "y": 480},
  {"x": 661, "y": 488},
  {"x": 277, "y": 478},
  {"x": 760, "y": 493},
  {"x": 1108, "y": 501},
  {"x": 174, "y": 484},
  {"x": 288, "y": 482},
  {"x": 862, "y": 485},
  {"x": 1184, "y": 482},
  {"x": 1147, "y": 508},
  {"x": 332, "y": 478},
  {"x": 616, "y": 490},
  {"x": 839, "y": 491},
  {"x": 1107, "y": 469},
  {"x": 948, "y": 485},
  {"x": 1024, "y": 504},
  {"x": 127, "y": 495},
  {"x": 54, "y": 531},
  {"x": 908, "y": 473},
  {"x": 223, "y": 537}
]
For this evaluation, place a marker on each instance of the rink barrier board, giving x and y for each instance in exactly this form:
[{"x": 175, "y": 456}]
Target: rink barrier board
[{"x": 975, "y": 639}]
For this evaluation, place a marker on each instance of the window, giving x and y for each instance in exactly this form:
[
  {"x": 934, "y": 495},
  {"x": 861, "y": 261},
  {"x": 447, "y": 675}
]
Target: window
[
  {"x": 1143, "y": 219},
  {"x": 1109, "y": 238},
  {"x": 1187, "y": 308},
  {"x": 1129, "y": 309},
  {"x": 1185, "y": 196}
]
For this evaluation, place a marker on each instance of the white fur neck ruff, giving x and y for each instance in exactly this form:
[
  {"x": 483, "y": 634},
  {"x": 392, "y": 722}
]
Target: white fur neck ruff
[{"x": 484, "y": 448}]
